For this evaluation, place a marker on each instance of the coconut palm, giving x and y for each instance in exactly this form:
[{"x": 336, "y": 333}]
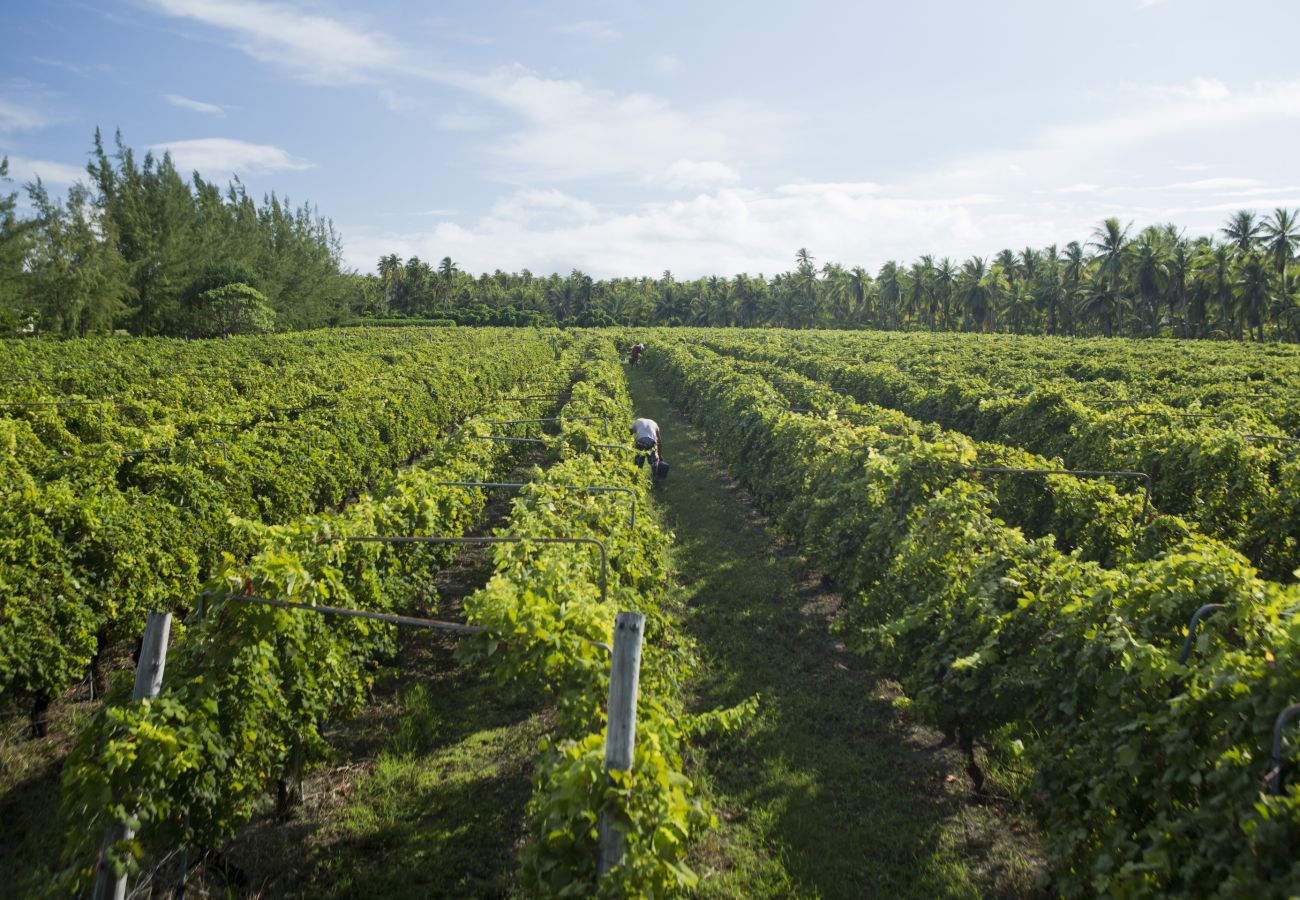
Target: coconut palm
[
  {"x": 1281, "y": 236},
  {"x": 1109, "y": 240},
  {"x": 1242, "y": 230},
  {"x": 945, "y": 283},
  {"x": 974, "y": 293},
  {"x": 1149, "y": 272},
  {"x": 1252, "y": 291}
]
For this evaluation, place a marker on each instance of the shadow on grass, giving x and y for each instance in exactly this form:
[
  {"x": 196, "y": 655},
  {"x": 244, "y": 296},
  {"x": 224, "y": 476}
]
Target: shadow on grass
[{"x": 833, "y": 792}]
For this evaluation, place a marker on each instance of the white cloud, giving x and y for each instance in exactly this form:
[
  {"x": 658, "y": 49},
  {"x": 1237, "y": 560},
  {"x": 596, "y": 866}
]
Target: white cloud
[
  {"x": 665, "y": 64},
  {"x": 317, "y": 48},
  {"x": 199, "y": 106},
  {"x": 1048, "y": 189},
  {"x": 689, "y": 174},
  {"x": 22, "y": 170},
  {"x": 574, "y": 131},
  {"x": 462, "y": 121},
  {"x": 1216, "y": 184},
  {"x": 593, "y": 29},
  {"x": 216, "y": 157},
  {"x": 18, "y": 116}
]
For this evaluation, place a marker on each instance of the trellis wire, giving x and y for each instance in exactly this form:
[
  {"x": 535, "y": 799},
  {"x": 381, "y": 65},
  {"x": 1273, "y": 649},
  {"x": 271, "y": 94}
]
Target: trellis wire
[
  {"x": 497, "y": 539},
  {"x": 519, "y": 485}
]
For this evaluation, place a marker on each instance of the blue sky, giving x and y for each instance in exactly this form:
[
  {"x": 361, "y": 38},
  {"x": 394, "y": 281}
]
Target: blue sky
[{"x": 626, "y": 138}]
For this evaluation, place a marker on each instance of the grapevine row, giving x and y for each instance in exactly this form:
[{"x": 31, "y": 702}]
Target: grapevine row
[
  {"x": 89, "y": 543},
  {"x": 1228, "y": 485},
  {"x": 1148, "y": 773}
]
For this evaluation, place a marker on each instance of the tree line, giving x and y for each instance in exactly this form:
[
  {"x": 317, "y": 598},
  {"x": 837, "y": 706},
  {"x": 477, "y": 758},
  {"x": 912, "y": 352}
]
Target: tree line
[
  {"x": 1238, "y": 284},
  {"x": 138, "y": 247}
]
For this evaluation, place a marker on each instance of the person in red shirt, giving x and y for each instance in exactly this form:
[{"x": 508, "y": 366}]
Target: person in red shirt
[{"x": 636, "y": 352}]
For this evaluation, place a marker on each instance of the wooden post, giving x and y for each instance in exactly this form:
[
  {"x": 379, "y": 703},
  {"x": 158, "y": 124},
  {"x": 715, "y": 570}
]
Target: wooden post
[
  {"x": 620, "y": 732},
  {"x": 148, "y": 681}
]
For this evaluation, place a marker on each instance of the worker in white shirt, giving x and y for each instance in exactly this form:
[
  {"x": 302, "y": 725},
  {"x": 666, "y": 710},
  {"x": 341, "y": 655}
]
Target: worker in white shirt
[{"x": 649, "y": 441}]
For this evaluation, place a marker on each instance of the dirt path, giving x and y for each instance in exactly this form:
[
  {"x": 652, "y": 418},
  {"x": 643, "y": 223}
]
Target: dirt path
[{"x": 833, "y": 792}]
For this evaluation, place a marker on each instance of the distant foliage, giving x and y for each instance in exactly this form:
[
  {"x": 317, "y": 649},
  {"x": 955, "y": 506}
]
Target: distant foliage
[
  {"x": 1160, "y": 282},
  {"x": 125, "y": 249}
]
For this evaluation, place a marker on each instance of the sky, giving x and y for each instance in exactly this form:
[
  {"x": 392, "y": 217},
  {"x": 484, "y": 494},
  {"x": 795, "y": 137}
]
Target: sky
[{"x": 626, "y": 137}]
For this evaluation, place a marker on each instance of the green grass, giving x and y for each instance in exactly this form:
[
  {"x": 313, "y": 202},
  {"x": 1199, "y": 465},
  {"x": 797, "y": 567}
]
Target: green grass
[{"x": 832, "y": 792}]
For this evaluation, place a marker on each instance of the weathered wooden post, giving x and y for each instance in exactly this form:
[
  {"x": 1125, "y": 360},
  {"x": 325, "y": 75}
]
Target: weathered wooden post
[
  {"x": 148, "y": 681},
  {"x": 620, "y": 733}
]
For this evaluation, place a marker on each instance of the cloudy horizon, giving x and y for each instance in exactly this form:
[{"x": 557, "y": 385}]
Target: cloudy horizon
[{"x": 625, "y": 139}]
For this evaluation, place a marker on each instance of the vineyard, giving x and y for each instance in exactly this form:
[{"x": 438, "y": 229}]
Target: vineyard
[{"x": 1072, "y": 561}]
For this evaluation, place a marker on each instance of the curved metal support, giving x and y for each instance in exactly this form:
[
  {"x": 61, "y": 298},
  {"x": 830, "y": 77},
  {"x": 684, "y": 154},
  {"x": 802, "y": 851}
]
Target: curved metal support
[
  {"x": 410, "y": 621},
  {"x": 512, "y": 440},
  {"x": 1282, "y": 438},
  {"x": 1274, "y": 777},
  {"x": 1191, "y": 628},
  {"x": 398, "y": 539},
  {"x": 519, "y": 485},
  {"x": 603, "y": 419},
  {"x": 1081, "y": 473}
]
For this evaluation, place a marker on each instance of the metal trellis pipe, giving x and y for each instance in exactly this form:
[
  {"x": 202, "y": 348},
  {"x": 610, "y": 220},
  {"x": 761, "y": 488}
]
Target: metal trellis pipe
[
  {"x": 603, "y": 419},
  {"x": 520, "y": 485},
  {"x": 503, "y": 539},
  {"x": 1191, "y": 628},
  {"x": 1275, "y": 764},
  {"x": 1282, "y": 438},
  {"x": 1081, "y": 473},
  {"x": 410, "y": 621}
]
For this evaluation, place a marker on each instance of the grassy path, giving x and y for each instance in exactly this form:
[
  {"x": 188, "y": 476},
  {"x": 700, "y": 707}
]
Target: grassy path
[{"x": 832, "y": 792}]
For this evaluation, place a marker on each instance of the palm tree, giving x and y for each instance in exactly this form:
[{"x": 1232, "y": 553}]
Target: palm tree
[
  {"x": 1281, "y": 235},
  {"x": 890, "y": 281},
  {"x": 1252, "y": 292},
  {"x": 1214, "y": 266},
  {"x": 1047, "y": 288},
  {"x": 447, "y": 271},
  {"x": 1242, "y": 231},
  {"x": 1109, "y": 240},
  {"x": 1073, "y": 275},
  {"x": 974, "y": 293},
  {"x": 945, "y": 282},
  {"x": 860, "y": 290},
  {"x": 1150, "y": 271}
]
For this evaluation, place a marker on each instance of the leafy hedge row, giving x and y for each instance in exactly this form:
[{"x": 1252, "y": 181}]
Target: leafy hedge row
[
  {"x": 88, "y": 545},
  {"x": 1100, "y": 518},
  {"x": 1147, "y": 773},
  {"x": 544, "y": 621},
  {"x": 249, "y": 688},
  {"x": 1242, "y": 490}
]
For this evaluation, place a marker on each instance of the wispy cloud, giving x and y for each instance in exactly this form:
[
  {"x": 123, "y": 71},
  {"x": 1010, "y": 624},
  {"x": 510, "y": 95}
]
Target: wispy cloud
[
  {"x": 216, "y": 157},
  {"x": 689, "y": 174},
  {"x": 573, "y": 131},
  {"x": 1216, "y": 184},
  {"x": 564, "y": 129},
  {"x": 1082, "y": 187},
  {"x": 316, "y": 48},
  {"x": 16, "y": 117},
  {"x": 211, "y": 109},
  {"x": 593, "y": 29},
  {"x": 665, "y": 64},
  {"x": 82, "y": 70},
  {"x": 22, "y": 170}
]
